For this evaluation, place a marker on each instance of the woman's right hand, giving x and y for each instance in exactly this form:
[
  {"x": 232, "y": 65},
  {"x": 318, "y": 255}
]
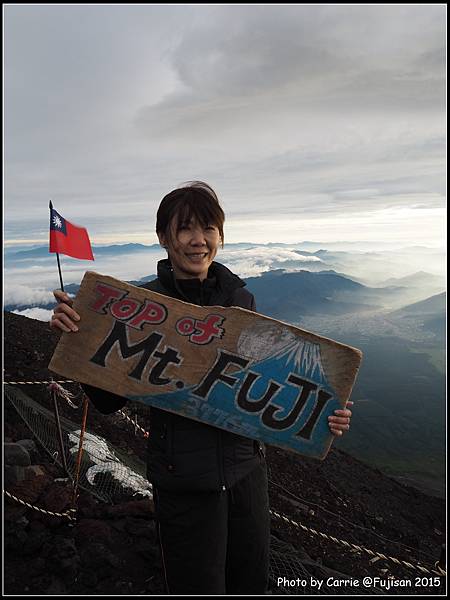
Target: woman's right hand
[{"x": 64, "y": 316}]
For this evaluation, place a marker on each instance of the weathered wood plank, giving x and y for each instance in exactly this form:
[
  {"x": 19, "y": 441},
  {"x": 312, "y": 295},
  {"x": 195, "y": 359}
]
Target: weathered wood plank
[{"x": 229, "y": 367}]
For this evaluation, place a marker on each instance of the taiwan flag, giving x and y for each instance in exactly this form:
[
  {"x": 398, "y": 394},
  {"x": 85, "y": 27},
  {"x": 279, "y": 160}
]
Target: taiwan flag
[{"x": 69, "y": 239}]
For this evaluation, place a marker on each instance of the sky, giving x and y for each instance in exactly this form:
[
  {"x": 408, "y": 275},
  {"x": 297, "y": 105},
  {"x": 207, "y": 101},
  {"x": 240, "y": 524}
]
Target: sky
[{"x": 312, "y": 122}]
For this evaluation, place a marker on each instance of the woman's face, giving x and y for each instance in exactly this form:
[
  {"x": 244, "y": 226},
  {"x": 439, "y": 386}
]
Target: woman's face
[{"x": 192, "y": 248}]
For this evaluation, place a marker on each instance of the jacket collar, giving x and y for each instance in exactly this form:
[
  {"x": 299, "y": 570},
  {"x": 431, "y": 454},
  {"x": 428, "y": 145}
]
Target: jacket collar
[{"x": 219, "y": 285}]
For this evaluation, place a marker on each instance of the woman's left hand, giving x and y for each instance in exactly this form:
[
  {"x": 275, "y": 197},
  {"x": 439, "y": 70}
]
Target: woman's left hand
[{"x": 339, "y": 423}]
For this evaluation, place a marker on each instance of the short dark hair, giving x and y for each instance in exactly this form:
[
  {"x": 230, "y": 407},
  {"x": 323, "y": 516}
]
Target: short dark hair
[{"x": 195, "y": 199}]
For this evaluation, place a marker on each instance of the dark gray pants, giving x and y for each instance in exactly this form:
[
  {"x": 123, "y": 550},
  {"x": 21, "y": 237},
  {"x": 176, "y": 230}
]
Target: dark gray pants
[{"x": 216, "y": 542}]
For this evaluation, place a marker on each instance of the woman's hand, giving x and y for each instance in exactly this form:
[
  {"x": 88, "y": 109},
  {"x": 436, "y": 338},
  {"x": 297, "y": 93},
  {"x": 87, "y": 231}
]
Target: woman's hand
[
  {"x": 64, "y": 316},
  {"x": 339, "y": 423}
]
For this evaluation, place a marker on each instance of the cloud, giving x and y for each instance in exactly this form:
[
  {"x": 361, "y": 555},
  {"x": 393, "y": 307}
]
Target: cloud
[
  {"x": 18, "y": 294},
  {"x": 252, "y": 262},
  {"x": 258, "y": 66},
  {"x": 125, "y": 267},
  {"x": 39, "y": 314},
  {"x": 281, "y": 108}
]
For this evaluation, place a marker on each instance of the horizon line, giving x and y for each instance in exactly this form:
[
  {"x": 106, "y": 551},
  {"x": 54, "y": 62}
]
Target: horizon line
[{"x": 44, "y": 243}]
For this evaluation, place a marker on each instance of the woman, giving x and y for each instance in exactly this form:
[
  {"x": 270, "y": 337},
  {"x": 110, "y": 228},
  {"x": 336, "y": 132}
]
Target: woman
[{"x": 210, "y": 485}]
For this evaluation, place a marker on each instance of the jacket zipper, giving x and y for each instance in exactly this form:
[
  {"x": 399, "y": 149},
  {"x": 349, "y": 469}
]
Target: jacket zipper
[
  {"x": 222, "y": 481},
  {"x": 262, "y": 449}
]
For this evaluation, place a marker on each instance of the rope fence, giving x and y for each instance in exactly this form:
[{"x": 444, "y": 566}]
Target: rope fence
[
  {"x": 68, "y": 514},
  {"x": 318, "y": 507},
  {"x": 358, "y": 548}
]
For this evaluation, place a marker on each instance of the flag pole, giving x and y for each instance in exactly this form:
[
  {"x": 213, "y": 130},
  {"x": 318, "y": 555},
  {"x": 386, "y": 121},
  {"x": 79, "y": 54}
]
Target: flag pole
[
  {"x": 60, "y": 274},
  {"x": 57, "y": 256},
  {"x": 54, "y": 398}
]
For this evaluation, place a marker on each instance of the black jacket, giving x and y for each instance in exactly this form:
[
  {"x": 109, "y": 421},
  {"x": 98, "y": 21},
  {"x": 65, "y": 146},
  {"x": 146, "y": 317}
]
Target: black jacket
[{"x": 184, "y": 454}]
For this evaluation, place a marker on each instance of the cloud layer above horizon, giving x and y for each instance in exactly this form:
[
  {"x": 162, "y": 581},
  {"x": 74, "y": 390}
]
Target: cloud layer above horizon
[{"x": 311, "y": 121}]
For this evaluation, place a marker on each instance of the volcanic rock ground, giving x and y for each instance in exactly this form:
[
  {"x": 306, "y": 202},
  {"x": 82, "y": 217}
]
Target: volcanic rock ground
[{"x": 112, "y": 549}]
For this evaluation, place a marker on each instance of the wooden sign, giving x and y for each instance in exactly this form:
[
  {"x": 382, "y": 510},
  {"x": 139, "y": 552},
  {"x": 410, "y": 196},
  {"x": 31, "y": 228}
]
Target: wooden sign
[{"x": 229, "y": 367}]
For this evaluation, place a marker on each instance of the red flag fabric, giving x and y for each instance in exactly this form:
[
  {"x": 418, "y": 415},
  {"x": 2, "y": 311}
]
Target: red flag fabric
[{"x": 69, "y": 239}]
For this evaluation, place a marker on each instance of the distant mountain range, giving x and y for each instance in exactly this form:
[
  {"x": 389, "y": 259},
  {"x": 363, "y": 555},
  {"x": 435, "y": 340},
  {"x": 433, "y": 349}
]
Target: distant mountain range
[
  {"x": 291, "y": 296},
  {"x": 431, "y": 313},
  {"x": 30, "y": 272},
  {"x": 429, "y": 306},
  {"x": 415, "y": 279},
  {"x": 309, "y": 247},
  {"x": 417, "y": 282},
  {"x": 288, "y": 296},
  {"x": 114, "y": 249}
]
